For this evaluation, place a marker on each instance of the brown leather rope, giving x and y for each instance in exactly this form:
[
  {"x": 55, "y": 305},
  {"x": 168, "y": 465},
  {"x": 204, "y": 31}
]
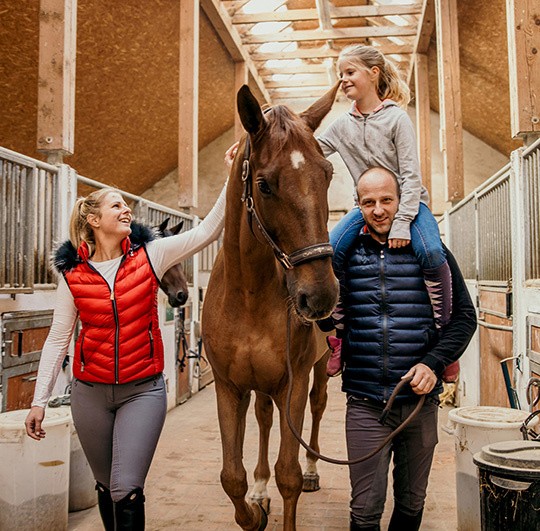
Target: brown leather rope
[{"x": 385, "y": 412}]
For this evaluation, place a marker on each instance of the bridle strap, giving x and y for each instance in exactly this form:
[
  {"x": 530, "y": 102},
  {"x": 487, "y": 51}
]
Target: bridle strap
[{"x": 306, "y": 254}]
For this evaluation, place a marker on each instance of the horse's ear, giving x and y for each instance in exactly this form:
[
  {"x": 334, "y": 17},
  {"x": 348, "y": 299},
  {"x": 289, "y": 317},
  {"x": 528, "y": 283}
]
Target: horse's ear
[
  {"x": 177, "y": 228},
  {"x": 163, "y": 225},
  {"x": 315, "y": 114},
  {"x": 249, "y": 110}
]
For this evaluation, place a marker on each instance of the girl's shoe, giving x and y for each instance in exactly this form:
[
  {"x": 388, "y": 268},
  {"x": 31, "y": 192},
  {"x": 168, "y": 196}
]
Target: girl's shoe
[{"x": 334, "y": 367}]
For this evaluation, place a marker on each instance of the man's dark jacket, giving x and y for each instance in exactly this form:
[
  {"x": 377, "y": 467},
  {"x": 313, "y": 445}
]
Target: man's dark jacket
[{"x": 389, "y": 325}]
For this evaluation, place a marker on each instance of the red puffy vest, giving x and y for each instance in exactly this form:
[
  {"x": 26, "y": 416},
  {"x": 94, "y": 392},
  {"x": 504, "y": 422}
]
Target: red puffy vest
[{"x": 120, "y": 339}]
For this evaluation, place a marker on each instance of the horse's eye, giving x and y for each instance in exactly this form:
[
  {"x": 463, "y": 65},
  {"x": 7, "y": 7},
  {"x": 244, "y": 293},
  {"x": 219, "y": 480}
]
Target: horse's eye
[{"x": 263, "y": 187}]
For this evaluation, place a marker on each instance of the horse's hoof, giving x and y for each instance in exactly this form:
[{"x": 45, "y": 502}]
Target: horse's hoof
[
  {"x": 264, "y": 517},
  {"x": 311, "y": 483},
  {"x": 262, "y": 502}
]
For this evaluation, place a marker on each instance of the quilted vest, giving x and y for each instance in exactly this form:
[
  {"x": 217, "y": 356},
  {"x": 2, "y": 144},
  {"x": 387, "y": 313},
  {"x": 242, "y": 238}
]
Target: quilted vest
[
  {"x": 389, "y": 325},
  {"x": 120, "y": 340}
]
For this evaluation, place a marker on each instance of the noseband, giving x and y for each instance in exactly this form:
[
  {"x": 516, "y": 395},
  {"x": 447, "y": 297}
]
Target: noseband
[{"x": 288, "y": 261}]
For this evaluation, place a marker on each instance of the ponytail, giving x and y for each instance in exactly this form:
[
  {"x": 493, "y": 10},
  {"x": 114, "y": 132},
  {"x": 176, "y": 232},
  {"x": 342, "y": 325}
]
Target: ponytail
[{"x": 390, "y": 85}]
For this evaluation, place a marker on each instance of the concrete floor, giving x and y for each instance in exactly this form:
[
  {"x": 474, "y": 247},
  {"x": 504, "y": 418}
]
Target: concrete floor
[{"x": 183, "y": 490}]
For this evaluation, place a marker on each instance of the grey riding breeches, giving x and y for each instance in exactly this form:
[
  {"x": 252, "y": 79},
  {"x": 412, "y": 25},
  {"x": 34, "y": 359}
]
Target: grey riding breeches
[{"x": 119, "y": 427}]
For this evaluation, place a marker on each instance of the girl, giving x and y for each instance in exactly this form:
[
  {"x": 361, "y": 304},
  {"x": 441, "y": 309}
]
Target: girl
[
  {"x": 110, "y": 270},
  {"x": 376, "y": 132}
]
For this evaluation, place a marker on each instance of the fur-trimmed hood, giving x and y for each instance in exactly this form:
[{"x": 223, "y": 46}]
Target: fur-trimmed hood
[{"x": 66, "y": 257}]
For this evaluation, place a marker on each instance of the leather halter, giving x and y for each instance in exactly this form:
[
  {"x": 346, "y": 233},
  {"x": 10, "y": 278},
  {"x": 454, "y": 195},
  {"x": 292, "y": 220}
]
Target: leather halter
[{"x": 288, "y": 261}]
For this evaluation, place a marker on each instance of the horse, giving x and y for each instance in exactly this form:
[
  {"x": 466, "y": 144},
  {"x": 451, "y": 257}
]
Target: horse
[
  {"x": 173, "y": 283},
  {"x": 274, "y": 271}
]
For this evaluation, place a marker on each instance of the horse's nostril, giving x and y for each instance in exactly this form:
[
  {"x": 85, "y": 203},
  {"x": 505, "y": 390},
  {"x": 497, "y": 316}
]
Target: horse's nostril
[
  {"x": 182, "y": 297},
  {"x": 303, "y": 301}
]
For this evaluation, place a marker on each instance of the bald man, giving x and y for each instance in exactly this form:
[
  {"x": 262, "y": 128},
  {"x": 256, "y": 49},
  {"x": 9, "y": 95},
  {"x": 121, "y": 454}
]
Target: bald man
[{"x": 389, "y": 333}]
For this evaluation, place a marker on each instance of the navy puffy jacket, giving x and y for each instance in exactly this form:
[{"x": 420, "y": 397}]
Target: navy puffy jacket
[{"x": 389, "y": 325}]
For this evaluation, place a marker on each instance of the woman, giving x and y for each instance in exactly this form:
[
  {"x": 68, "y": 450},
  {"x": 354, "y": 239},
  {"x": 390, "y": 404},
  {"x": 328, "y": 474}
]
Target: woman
[{"x": 118, "y": 401}]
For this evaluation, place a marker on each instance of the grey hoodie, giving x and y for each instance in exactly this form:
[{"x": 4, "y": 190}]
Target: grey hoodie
[{"x": 383, "y": 138}]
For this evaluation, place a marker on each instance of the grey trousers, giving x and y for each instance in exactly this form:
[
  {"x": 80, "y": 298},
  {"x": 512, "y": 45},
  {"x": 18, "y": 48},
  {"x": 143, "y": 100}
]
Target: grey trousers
[
  {"x": 412, "y": 451},
  {"x": 119, "y": 427}
]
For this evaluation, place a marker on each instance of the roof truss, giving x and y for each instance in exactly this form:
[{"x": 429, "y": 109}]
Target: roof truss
[{"x": 291, "y": 53}]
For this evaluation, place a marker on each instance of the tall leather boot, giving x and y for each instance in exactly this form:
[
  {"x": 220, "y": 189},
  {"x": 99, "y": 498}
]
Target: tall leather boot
[
  {"x": 356, "y": 527},
  {"x": 129, "y": 512},
  {"x": 404, "y": 522},
  {"x": 106, "y": 508}
]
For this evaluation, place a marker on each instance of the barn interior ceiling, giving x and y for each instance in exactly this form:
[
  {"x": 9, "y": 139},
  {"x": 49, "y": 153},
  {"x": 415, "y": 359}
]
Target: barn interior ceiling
[{"x": 294, "y": 44}]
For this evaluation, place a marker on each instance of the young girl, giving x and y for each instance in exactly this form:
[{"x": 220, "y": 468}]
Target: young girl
[
  {"x": 377, "y": 132},
  {"x": 110, "y": 269}
]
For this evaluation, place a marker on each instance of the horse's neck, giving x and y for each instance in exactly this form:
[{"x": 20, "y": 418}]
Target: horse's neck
[{"x": 250, "y": 263}]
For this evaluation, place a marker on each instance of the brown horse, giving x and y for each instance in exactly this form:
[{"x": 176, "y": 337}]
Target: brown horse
[
  {"x": 282, "y": 178},
  {"x": 173, "y": 283}
]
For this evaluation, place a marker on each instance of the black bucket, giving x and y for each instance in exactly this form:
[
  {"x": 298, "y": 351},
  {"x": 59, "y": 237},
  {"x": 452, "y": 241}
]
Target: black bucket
[{"x": 509, "y": 479}]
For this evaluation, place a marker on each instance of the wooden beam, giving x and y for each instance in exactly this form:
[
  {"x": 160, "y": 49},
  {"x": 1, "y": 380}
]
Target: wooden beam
[
  {"x": 295, "y": 15},
  {"x": 303, "y": 81},
  {"x": 523, "y": 19},
  {"x": 323, "y": 53},
  {"x": 56, "y": 82},
  {"x": 307, "y": 68},
  {"x": 188, "y": 149},
  {"x": 426, "y": 27},
  {"x": 323, "y": 13},
  {"x": 450, "y": 98},
  {"x": 221, "y": 21},
  {"x": 423, "y": 127},
  {"x": 364, "y": 32},
  {"x": 240, "y": 78},
  {"x": 295, "y": 94}
]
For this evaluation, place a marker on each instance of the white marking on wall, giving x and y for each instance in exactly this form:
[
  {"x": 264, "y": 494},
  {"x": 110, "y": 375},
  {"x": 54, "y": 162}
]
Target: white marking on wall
[{"x": 297, "y": 159}]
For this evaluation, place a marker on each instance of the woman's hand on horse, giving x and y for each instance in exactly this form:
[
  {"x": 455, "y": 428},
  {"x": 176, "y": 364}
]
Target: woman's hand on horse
[
  {"x": 230, "y": 154},
  {"x": 396, "y": 243},
  {"x": 33, "y": 423}
]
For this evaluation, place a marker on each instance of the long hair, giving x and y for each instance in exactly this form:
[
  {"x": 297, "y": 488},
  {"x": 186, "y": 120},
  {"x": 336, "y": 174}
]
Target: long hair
[
  {"x": 79, "y": 228},
  {"x": 390, "y": 85}
]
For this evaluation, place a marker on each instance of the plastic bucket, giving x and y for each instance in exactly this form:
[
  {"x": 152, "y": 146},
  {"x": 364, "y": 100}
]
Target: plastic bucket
[
  {"x": 34, "y": 475},
  {"x": 509, "y": 477},
  {"x": 82, "y": 486},
  {"x": 473, "y": 428}
]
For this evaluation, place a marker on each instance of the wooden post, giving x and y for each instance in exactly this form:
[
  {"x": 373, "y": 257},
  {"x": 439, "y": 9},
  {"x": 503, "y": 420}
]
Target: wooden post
[
  {"x": 423, "y": 127},
  {"x": 56, "y": 84},
  {"x": 188, "y": 151},
  {"x": 240, "y": 78},
  {"x": 523, "y": 20},
  {"x": 450, "y": 98}
]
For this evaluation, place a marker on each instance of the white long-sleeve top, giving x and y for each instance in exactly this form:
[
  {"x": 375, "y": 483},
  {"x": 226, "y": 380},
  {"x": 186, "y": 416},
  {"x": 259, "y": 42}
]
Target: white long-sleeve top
[{"x": 163, "y": 254}]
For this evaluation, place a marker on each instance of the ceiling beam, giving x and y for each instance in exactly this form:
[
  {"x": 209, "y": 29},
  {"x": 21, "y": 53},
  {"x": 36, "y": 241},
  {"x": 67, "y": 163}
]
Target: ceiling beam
[
  {"x": 364, "y": 32},
  {"x": 295, "y": 15},
  {"x": 323, "y": 53},
  {"x": 221, "y": 21},
  {"x": 426, "y": 27},
  {"x": 315, "y": 68},
  {"x": 307, "y": 81}
]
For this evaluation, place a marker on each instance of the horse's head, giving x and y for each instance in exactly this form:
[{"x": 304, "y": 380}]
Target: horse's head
[
  {"x": 173, "y": 283},
  {"x": 285, "y": 192}
]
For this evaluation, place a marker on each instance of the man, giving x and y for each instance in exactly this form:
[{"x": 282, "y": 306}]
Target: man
[{"x": 388, "y": 334}]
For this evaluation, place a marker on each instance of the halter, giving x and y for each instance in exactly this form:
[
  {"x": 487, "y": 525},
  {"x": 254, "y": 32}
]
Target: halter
[{"x": 288, "y": 261}]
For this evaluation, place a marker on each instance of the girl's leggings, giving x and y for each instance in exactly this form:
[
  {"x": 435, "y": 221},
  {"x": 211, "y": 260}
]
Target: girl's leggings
[
  {"x": 426, "y": 244},
  {"x": 119, "y": 427}
]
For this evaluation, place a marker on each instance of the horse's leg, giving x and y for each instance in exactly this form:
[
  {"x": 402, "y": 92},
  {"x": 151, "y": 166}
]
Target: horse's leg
[
  {"x": 288, "y": 470},
  {"x": 264, "y": 408},
  {"x": 232, "y": 409},
  {"x": 318, "y": 398}
]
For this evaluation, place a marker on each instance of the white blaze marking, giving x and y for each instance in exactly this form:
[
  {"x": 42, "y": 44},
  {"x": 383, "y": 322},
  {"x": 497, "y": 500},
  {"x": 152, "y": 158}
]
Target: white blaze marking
[{"x": 297, "y": 159}]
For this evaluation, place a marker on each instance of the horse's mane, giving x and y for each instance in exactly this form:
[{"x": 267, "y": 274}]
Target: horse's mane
[{"x": 285, "y": 126}]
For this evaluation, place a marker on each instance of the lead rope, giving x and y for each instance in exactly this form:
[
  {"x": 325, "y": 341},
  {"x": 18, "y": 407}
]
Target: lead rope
[{"x": 385, "y": 412}]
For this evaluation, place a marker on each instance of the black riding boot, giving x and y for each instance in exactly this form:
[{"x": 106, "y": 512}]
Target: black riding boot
[
  {"x": 403, "y": 522},
  {"x": 106, "y": 508},
  {"x": 129, "y": 512},
  {"x": 356, "y": 527}
]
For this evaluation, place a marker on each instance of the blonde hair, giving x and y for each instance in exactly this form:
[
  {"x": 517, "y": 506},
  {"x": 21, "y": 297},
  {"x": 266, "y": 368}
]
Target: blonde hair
[
  {"x": 79, "y": 228},
  {"x": 389, "y": 85}
]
